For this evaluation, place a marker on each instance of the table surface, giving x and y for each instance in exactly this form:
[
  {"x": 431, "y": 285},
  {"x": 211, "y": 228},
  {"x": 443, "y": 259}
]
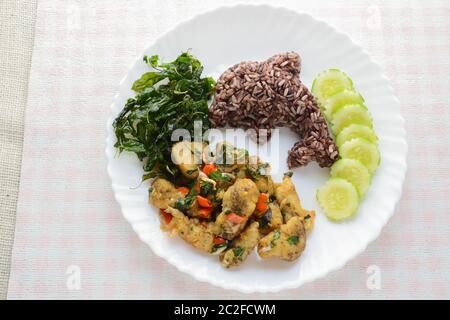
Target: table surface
[
  {"x": 71, "y": 240},
  {"x": 17, "y": 21}
]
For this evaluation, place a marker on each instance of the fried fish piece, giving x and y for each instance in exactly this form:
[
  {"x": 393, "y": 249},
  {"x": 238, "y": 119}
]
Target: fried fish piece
[
  {"x": 187, "y": 156},
  {"x": 164, "y": 194},
  {"x": 265, "y": 184},
  {"x": 199, "y": 234},
  {"x": 290, "y": 204},
  {"x": 241, "y": 246},
  {"x": 238, "y": 204},
  {"x": 271, "y": 219},
  {"x": 286, "y": 243}
]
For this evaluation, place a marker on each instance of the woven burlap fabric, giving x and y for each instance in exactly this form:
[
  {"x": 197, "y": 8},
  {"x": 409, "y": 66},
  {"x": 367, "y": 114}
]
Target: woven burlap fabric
[{"x": 17, "y": 20}]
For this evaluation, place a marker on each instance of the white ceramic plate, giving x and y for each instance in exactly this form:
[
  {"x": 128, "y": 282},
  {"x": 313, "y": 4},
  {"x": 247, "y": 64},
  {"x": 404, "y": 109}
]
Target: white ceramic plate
[{"x": 221, "y": 38}]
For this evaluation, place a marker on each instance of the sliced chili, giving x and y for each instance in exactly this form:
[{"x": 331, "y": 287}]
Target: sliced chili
[
  {"x": 183, "y": 190},
  {"x": 204, "y": 212},
  {"x": 167, "y": 216},
  {"x": 208, "y": 168},
  {"x": 219, "y": 240},
  {"x": 204, "y": 202},
  {"x": 233, "y": 217},
  {"x": 261, "y": 205}
]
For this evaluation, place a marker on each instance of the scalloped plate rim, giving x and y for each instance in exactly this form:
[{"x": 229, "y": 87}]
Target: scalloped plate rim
[{"x": 285, "y": 285}]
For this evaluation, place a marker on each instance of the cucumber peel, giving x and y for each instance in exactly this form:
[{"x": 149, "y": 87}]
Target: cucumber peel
[
  {"x": 363, "y": 150},
  {"x": 337, "y": 101},
  {"x": 330, "y": 82},
  {"x": 357, "y": 142},
  {"x": 338, "y": 198},
  {"x": 350, "y": 114},
  {"x": 354, "y": 172},
  {"x": 356, "y": 131}
]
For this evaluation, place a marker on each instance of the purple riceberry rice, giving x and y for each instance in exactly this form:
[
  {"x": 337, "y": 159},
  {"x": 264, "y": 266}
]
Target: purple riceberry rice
[{"x": 269, "y": 94}]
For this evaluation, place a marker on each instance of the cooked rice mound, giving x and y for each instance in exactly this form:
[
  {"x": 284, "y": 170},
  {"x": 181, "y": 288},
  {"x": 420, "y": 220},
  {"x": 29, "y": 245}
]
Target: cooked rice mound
[{"x": 269, "y": 94}]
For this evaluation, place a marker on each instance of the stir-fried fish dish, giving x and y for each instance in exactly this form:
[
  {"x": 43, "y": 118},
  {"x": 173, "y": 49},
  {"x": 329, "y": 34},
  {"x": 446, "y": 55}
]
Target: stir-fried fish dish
[{"x": 228, "y": 205}]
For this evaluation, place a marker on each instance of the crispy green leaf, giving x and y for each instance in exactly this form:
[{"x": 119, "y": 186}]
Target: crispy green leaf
[
  {"x": 218, "y": 176},
  {"x": 206, "y": 188},
  {"x": 148, "y": 79},
  {"x": 152, "y": 60},
  {"x": 146, "y": 123}
]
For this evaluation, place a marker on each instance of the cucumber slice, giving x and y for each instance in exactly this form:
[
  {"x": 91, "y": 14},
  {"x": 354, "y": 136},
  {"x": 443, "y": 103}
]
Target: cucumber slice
[
  {"x": 330, "y": 82},
  {"x": 350, "y": 114},
  {"x": 338, "y": 198},
  {"x": 354, "y": 172},
  {"x": 364, "y": 151},
  {"x": 356, "y": 131},
  {"x": 335, "y": 102}
]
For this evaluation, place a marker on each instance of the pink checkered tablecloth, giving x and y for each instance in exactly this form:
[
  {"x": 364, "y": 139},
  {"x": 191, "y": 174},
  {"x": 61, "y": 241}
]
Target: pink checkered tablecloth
[{"x": 69, "y": 226}]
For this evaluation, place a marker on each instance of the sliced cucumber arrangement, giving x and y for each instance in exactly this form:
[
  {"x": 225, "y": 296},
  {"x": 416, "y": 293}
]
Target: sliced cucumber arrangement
[
  {"x": 364, "y": 151},
  {"x": 350, "y": 114},
  {"x": 357, "y": 142},
  {"x": 338, "y": 198},
  {"x": 330, "y": 82},
  {"x": 354, "y": 172},
  {"x": 356, "y": 131},
  {"x": 337, "y": 101}
]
